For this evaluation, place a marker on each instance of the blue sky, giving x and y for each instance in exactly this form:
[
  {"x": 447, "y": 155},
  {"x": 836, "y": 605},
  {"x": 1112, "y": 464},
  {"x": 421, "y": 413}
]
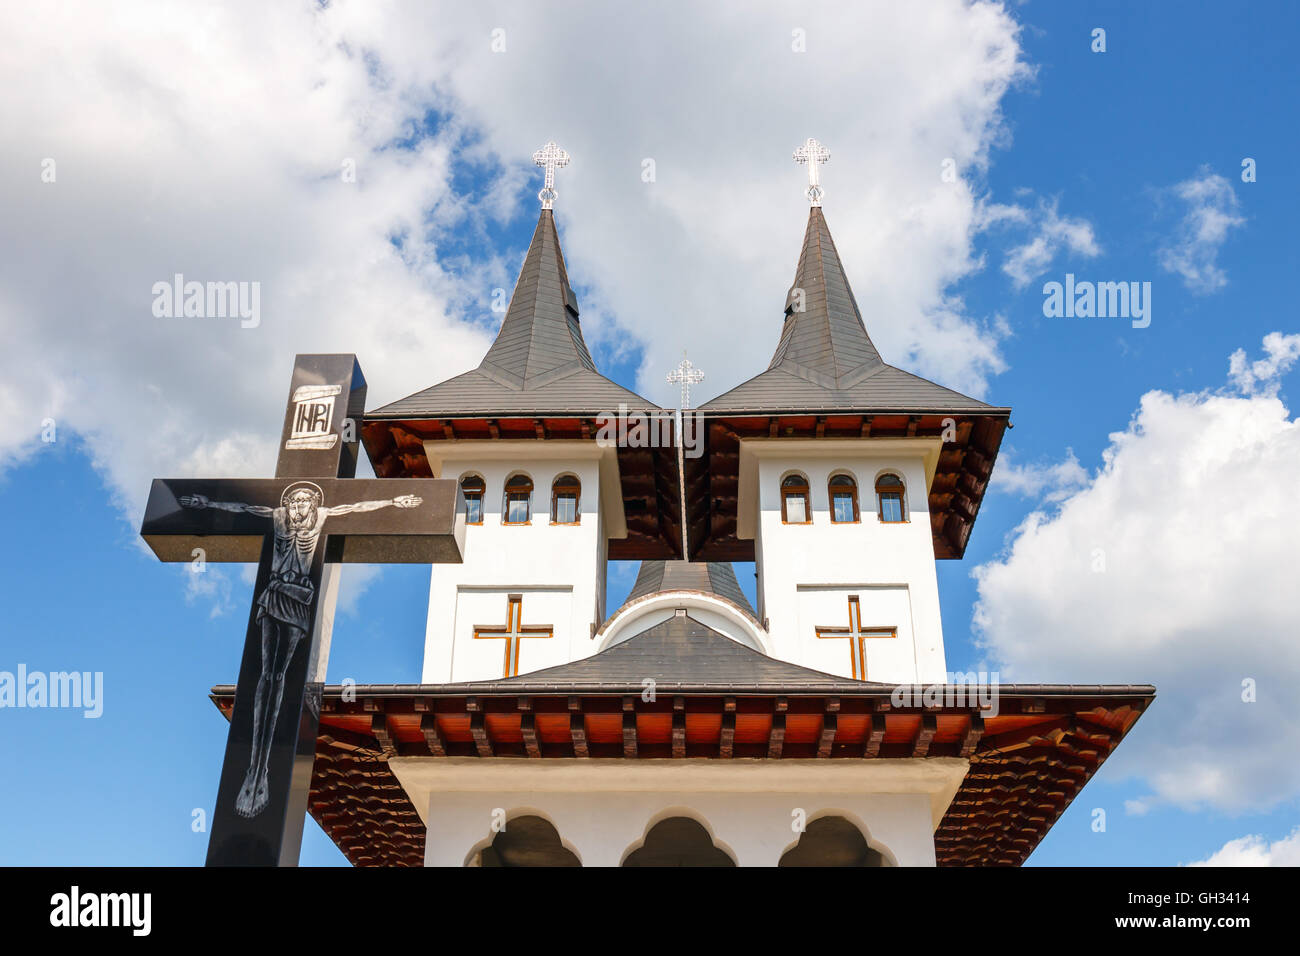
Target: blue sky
[{"x": 1111, "y": 161}]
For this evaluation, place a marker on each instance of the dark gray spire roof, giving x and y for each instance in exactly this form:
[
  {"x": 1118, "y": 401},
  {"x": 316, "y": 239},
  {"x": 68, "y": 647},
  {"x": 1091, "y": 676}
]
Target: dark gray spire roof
[
  {"x": 825, "y": 340},
  {"x": 711, "y": 577},
  {"x": 825, "y": 361},
  {"x": 539, "y": 363}
]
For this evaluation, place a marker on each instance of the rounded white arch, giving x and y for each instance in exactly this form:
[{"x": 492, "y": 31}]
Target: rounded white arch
[
  {"x": 678, "y": 811},
  {"x": 524, "y": 811},
  {"x": 709, "y": 609},
  {"x": 884, "y": 851}
]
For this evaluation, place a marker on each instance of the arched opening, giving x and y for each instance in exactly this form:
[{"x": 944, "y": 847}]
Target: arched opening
[
  {"x": 832, "y": 841},
  {"x": 844, "y": 499},
  {"x": 527, "y": 841},
  {"x": 566, "y": 490},
  {"x": 678, "y": 841},
  {"x": 889, "y": 495},
  {"x": 795, "y": 507},
  {"x": 472, "y": 487},
  {"x": 519, "y": 497}
]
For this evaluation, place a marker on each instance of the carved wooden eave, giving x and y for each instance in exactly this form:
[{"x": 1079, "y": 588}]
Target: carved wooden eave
[{"x": 1027, "y": 762}]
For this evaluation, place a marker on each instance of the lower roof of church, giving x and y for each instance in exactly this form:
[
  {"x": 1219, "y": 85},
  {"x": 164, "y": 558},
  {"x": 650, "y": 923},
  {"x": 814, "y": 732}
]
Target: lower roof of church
[{"x": 716, "y": 699}]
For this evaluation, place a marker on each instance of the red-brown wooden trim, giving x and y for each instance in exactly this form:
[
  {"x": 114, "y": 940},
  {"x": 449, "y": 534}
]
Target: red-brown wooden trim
[
  {"x": 974, "y": 731},
  {"x": 727, "y": 735},
  {"x": 629, "y": 727},
  {"x": 679, "y": 726},
  {"x": 875, "y": 737},
  {"x": 432, "y": 735},
  {"x": 578, "y": 727}
]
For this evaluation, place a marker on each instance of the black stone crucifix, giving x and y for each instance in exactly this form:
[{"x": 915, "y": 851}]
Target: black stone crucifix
[{"x": 297, "y": 526}]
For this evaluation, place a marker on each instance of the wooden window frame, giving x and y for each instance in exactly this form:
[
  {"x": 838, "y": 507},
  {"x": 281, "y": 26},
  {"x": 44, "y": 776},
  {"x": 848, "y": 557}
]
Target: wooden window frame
[
  {"x": 505, "y": 513},
  {"x": 900, "y": 490},
  {"x": 563, "y": 485},
  {"x": 477, "y": 493},
  {"x": 853, "y": 490},
  {"x": 799, "y": 489}
]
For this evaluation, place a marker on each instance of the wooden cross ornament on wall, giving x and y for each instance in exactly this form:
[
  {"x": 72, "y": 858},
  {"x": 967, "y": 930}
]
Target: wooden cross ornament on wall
[
  {"x": 857, "y": 637},
  {"x": 512, "y": 633}
]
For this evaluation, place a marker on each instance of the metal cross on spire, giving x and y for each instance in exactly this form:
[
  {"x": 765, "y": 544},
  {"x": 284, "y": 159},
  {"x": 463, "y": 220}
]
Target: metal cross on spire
[
  {"x": 550, "y": 157},
  {"x": 686, "y": 375},
  {"x": 812, "y": 154}
]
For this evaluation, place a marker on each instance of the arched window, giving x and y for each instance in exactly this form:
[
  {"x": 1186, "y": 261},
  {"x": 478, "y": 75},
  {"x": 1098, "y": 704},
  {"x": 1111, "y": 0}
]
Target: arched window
[
  {"x": 519, "y": 496},
  {"x": 844, "y": 499},
  {"x": 831, "y": 841},
  {"x": 565, "y": 492},
  {"x": 471, "y": 487},
  {"x": 794, "y": 500},
  {"x": 889, "y": 492}
]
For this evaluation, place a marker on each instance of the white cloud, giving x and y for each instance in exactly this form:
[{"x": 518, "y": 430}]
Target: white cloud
[
  {"x": 354, "y": 581},
  {"x": 1053, "y": 482},
  {"x": 211, "y": 586},
  {"x": 1211, "y": 212},
  {"x": 702, "y": 257},
  {"x": 1053, "y": 234},
  {"x": 1255, "y": 850},
  {"x": 210, "y": 142},
  {"x": 1174, "y": 565},
  {"x": 1263, "y": 376}
]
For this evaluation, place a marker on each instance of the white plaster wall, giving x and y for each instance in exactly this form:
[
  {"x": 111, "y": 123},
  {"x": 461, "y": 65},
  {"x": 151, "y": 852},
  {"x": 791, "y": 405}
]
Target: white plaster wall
[
  {"x": 891, "y": 659},
  {"x": 477, "y": 659},
  {"x": 558, "y": 569},
  {"x": 603, "y": 812},
  {"x": 809, "y": 570}
]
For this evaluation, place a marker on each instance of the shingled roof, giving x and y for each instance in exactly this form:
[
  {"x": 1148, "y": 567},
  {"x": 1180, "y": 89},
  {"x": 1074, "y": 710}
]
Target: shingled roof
[
  {"x": 539, "y": 363},
  {"x": 709, "y": 577},
  {"x": 825, "y": 361}
]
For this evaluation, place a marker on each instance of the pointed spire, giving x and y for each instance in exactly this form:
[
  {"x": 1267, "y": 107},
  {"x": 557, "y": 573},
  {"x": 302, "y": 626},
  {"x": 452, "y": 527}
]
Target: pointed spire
[
  {"x": 539, "y": 362},
  {"x": 540, "y": 339},
  {"x": 825, "y": 361},
  {"x": 824, "y": 338}
]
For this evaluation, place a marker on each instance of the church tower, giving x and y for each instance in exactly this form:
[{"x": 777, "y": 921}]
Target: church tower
[
  {"x": 689, "y": 727},
  {"x": 844, "y": 479},
  {"x": 546, "y": 502}
]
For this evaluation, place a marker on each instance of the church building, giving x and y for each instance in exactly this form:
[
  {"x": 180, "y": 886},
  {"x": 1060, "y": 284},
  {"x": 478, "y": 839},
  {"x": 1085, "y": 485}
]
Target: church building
[{"x": 817, "y": 726}]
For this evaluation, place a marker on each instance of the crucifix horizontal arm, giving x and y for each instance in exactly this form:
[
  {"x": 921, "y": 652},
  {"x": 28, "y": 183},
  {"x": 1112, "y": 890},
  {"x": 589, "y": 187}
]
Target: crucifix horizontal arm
[{"x": 227, "y": 518}]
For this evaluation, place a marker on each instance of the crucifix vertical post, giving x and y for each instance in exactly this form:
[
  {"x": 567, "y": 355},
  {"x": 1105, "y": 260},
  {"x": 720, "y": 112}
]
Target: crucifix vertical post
[{"x": 311, "y": 516}]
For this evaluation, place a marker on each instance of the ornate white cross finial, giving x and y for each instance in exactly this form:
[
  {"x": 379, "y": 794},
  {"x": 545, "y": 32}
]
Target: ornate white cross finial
[
  {"x": 687, "y": 375},
  {"x": 550, "y": 157},
  {"x": 812, "y": 154}
]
